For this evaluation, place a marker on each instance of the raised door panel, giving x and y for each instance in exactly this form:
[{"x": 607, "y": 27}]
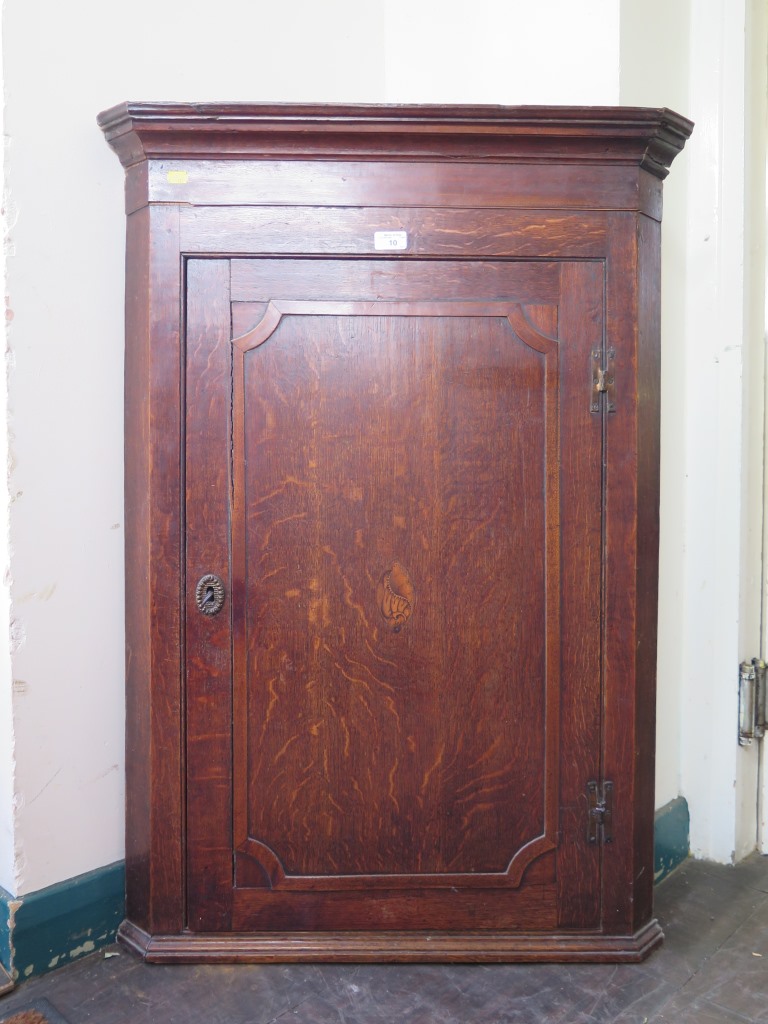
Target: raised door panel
[{"x": 405, "y": 627}]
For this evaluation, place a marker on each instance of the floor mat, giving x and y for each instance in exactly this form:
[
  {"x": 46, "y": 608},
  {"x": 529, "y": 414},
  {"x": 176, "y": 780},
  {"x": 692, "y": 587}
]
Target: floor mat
[{"x": 38, "y": 1012}]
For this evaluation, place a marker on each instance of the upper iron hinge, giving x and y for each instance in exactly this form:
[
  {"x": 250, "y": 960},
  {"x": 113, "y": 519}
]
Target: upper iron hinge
[
  {"x": 600, "y": 812},
  {"x": 753, "y": 702},
  {"x": 603, "y": 380}
]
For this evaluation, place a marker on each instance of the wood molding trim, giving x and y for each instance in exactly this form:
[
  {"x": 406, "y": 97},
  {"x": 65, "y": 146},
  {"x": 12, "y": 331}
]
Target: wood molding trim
[
  {"x": 649, "y": 138},
  {"x": 393, "y": 947}
]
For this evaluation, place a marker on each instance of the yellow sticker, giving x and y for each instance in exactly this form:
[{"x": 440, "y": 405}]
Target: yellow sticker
[{"x": 178, "y": 177}]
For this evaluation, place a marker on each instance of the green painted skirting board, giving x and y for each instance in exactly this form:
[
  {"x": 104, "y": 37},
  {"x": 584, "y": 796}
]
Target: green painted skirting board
[
  {"x": 54, "y": 926},
  {"x": 5, "y": 929},
  {"x": 671, "y": 835},
  {"x": 6, "y": 982}
]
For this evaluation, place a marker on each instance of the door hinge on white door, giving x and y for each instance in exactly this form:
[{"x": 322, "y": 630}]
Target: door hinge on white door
[
  {"x": 753, "y": 706},
  {"x": 600, "y": 812},
  {"x": 603, "y": 380}
]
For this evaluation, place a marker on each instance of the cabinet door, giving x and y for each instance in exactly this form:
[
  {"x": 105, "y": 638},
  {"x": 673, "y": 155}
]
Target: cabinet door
[{"x": 394, "y": 469}]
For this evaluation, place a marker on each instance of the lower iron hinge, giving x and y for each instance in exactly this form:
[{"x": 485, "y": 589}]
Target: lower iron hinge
[{"x": 600, "y": 808}]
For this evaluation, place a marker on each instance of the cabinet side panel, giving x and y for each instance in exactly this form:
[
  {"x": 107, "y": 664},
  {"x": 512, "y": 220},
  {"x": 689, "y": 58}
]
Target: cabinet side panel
[
  {"x": 648, "y": 370},
  {"x": 152, "y": 467},
  {"x": 137, "y": 562},
  {"x": 631, "y": 536}
]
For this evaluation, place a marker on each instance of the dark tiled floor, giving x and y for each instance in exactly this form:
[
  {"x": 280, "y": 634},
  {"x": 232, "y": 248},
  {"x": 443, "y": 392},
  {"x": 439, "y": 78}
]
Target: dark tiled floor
[{"x": 712, "y": 968}]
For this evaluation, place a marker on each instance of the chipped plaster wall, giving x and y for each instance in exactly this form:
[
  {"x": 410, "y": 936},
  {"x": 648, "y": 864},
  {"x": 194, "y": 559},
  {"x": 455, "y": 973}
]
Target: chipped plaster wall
[
  {"x": 64, "y": 63},
  {"x": 7, "y": 859}
]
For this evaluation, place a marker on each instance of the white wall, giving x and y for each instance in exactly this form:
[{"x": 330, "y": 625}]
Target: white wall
[
  {"x": 7, "y": 860},
  {"x": 667, "y": 86},
  {"x": 715, "y": 770},
  {"x": 64, "y": 63},
  {"x": 712, "y": 395},
  {"x": 488, "y": 51}
]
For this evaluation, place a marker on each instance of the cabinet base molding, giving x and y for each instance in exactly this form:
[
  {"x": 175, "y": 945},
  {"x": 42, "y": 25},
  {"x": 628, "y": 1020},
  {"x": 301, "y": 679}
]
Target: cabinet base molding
[{"x": 392, "y": 947}]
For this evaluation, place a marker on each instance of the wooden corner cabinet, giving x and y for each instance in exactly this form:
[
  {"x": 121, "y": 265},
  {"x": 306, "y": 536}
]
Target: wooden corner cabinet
[{"x": 392, "y": 427}]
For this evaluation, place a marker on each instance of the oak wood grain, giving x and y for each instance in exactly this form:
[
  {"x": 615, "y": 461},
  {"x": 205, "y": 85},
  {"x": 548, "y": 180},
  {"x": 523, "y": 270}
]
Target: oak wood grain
[
  {"x": 638, "y": 136},
  {"x": 431, "y": 232},
  {"x": 315, "y": 553},
  {"x": 208, "y": 638},
  {"x": 395, "y": 947},
  {"x": 333, "y": 183},
  {"x": 153, "y": 547},
  {"x": 581, "y": 710},
  {"x": 388, "y": 279}
]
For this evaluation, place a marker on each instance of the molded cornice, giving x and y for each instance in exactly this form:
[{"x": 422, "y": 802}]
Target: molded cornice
[{"x": 649, "y": 138}]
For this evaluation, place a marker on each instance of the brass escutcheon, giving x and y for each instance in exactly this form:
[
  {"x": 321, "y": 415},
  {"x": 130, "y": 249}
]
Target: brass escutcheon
[{"x": 396, "y": 596}]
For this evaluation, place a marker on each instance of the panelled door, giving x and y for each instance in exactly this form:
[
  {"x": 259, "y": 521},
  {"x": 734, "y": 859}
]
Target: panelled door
[{"x": 393, "y": 594}]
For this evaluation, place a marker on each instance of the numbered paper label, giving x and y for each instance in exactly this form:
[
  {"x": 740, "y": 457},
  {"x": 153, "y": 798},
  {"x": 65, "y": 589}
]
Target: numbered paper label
[{"x": 390, "y": 241}]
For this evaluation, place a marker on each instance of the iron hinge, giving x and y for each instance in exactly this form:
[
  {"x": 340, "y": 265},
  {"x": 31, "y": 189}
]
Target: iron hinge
[
  {"x": 603, "y": 380},
  {"x": 753, "y": 705},
  {"x": 600, "y": 806}
]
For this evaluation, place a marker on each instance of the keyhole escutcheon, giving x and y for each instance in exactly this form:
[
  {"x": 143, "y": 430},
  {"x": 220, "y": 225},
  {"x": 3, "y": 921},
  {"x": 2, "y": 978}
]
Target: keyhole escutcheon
[{"x": 209, "y": 594}]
